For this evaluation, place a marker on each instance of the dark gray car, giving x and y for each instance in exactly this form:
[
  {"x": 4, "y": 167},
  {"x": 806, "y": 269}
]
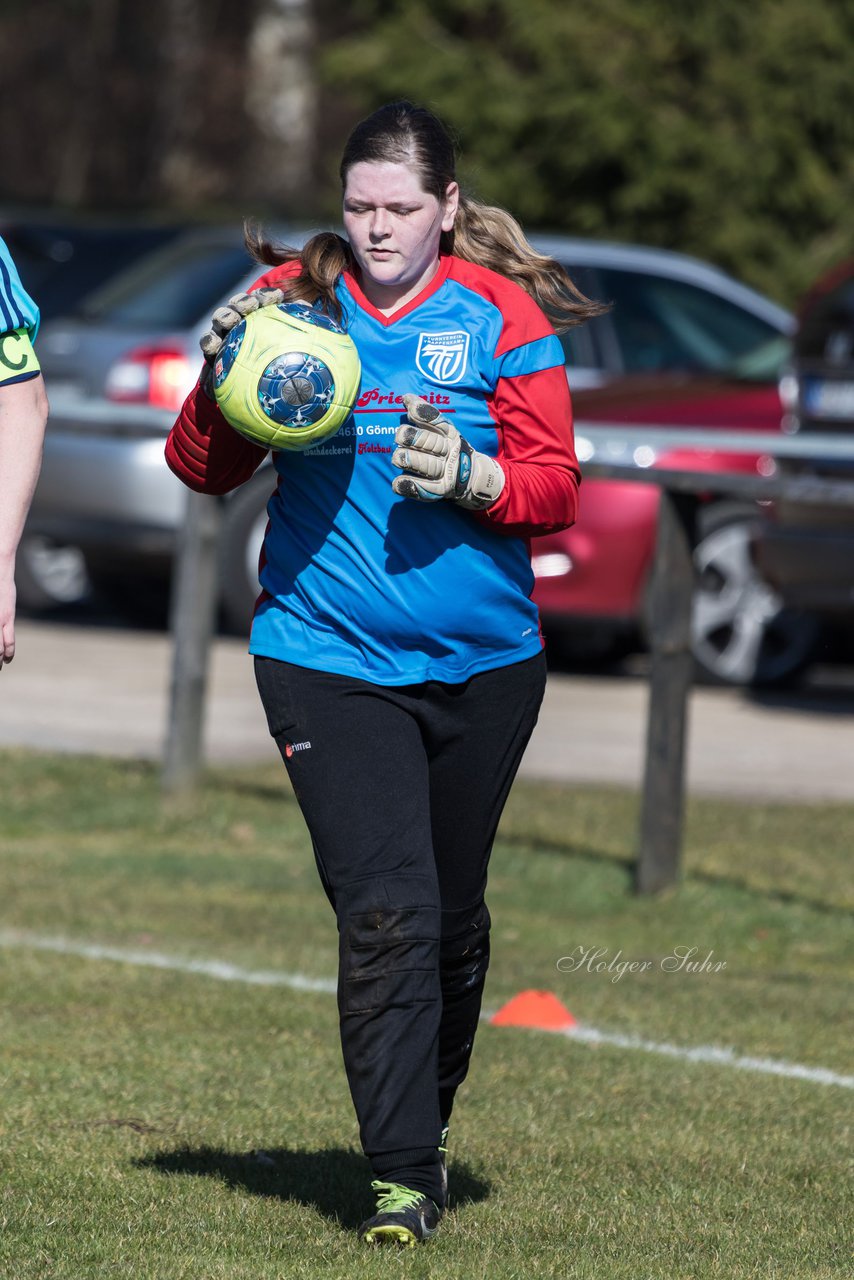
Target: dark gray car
[{"x": 807, "y": 550}]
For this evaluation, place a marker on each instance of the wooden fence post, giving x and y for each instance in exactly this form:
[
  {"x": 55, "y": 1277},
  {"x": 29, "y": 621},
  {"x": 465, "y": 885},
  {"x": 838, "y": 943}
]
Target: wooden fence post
[
  {"x": 192, "y": 623},
  {"x": 670, "y": 681}
]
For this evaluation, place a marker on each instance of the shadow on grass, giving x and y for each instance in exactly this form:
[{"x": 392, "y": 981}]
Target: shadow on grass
[
  {"x": 277, "y": 791},
  {"x": 568, "y": 848},
  {"x": 774, "y": 893},
  {"x": 335, "y": 1182},
  {"x": 715, "y": 879}
]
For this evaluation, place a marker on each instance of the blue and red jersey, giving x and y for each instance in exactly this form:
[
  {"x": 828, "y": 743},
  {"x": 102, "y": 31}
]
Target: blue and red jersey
[{"x": 361, "y": 582}]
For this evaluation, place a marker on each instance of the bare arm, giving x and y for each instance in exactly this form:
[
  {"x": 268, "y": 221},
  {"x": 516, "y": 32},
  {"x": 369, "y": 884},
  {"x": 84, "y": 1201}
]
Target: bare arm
[{"x": 23, "y": 415}]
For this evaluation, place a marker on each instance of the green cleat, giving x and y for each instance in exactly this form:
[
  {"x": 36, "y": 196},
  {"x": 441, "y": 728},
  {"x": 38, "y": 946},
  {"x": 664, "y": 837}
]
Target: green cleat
[{"x": 402, "y": 1217}]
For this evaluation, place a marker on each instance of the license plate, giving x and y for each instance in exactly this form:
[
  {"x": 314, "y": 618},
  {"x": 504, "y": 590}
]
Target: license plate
[{"x": 824, "y": 398}]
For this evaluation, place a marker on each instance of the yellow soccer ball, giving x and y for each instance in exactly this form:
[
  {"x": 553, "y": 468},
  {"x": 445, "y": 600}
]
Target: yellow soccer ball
[{"x": 287, "y": 376}]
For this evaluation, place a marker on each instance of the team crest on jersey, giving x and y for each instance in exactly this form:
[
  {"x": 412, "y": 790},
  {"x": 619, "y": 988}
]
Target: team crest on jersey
[{"x": 443, "y": 356}]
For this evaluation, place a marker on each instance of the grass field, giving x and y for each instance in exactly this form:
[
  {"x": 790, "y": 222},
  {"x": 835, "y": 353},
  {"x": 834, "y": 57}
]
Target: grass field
[{"x": 159, "y": 1124}]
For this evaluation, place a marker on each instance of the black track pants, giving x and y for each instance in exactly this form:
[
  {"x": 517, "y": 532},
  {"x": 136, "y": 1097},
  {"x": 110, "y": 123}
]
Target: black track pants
[{"x": 402, "y": 789}]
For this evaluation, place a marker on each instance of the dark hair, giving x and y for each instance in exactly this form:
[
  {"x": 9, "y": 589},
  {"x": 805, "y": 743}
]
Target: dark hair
[{"x": 402, "y": 133}]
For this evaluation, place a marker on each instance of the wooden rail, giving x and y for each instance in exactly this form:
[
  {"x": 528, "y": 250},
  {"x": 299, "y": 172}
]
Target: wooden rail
[
  {"x": 660, "y": 836},
  {"x": 193, "y": 609},
  {"x": 612, "y": 453}
]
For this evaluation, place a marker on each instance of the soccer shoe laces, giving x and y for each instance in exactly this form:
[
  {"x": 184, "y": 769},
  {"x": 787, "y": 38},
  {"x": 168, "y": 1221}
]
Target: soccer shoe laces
[{"x": 393, "y": 1198}]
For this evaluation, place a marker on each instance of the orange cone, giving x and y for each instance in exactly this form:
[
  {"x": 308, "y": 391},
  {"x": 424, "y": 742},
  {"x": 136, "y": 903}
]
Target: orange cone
[{"x": 539, "y": 1009}]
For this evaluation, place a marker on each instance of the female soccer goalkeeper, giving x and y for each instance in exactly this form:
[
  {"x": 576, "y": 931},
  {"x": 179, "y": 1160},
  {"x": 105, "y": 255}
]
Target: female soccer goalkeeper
[{"x": 398, "y": 653}]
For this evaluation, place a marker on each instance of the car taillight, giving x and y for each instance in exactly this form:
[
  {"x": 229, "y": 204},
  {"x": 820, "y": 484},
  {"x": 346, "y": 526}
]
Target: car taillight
[
  {"x": 552, "y": 564},
  {"x": 159, "y": 376}
]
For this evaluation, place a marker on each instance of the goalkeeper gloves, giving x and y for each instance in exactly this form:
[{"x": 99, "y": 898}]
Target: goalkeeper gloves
[
  {"x": 225, "y": 319},
  {"x": 440, "y": 463},
  {"x": 228, "y": 317}
]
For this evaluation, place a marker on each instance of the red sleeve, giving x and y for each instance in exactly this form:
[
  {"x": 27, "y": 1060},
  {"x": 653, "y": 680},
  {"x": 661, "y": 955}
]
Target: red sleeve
[
  {"x": 205, "y": 452},
  {"x": 536, "y": 450},
  {"x": 202, "y": 449}
]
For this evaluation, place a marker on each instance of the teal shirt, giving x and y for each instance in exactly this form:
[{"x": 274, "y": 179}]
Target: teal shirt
[
  {"x": 17, "y": 309},
  {"x": 19, "y": 324}
]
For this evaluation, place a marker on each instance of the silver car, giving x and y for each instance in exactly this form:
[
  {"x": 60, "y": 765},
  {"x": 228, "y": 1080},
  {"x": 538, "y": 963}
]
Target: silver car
[{"x": 118, "y": 371}]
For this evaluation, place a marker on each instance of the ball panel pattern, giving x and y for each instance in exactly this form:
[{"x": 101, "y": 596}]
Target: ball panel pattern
[
  {"x": 303, "y": 311},
  {"x": 296, "y": 389},
  {"x": 229, "y": 353}
]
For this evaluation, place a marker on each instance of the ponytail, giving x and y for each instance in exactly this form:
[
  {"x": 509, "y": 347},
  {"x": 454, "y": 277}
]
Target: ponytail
[
  {"x": 482, "y": 233},
  {"x": 491, "y": 237},
  {"x": 323, "y": 258}
]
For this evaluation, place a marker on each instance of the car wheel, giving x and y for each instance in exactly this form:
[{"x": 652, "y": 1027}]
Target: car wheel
[
  {"x": 242, "y": 535},
  {"x": 741, "y": 632},
  {"x": 49, "y": 574}
]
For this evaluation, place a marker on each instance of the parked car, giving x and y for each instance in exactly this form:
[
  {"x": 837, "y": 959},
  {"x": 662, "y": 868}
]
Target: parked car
[
  {"x": 743, "y": 633},
  {"x": 118, "y": 369},
  {"x": 61, "y": 262},
  {"x": 807, "y": 550}
]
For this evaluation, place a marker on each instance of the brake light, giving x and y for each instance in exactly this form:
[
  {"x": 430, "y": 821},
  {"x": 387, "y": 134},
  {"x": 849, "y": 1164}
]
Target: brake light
[
  {"x": 159, "y": 376},
  {"x": 553, "y": 564}
]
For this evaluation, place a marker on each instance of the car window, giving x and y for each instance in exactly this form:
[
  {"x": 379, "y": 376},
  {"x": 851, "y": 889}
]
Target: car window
[
  {"x": 173, "y": 288},
  {"x": 578, "y": 348},
  {"x": 581, "y": 349},
  {"x": 60, "y": 266},
  {"x": 663, "y": 324}
]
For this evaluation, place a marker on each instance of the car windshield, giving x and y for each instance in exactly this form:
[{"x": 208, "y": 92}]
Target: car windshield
[
  {"x": 60, "y": 265},
  {"x": 664, "y": 324},
  {"x": 172, "y": 288}
]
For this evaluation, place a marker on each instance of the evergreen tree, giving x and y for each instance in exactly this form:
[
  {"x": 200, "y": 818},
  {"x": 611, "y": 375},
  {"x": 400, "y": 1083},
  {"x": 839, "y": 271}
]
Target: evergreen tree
[{"x": 719, "y": 128}]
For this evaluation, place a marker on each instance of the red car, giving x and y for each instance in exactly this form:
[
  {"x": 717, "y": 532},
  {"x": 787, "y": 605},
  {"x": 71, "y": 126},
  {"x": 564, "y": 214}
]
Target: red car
[{"x": 591, "y": 580}]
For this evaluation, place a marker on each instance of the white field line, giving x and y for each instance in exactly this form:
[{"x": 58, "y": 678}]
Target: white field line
[
  {"x": 218, "y": 969},
  {"x": 225, "y": 972},
  {"x": 713, "y": 1054}
]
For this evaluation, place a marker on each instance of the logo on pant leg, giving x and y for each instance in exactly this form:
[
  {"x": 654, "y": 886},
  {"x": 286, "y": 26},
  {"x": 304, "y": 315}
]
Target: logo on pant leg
[{"x": 292, "y": 747}]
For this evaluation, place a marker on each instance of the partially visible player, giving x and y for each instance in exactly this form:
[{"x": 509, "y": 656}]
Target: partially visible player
[
  {"x": 397, "y": 650},
  {"x": 23, "y": 415}
]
